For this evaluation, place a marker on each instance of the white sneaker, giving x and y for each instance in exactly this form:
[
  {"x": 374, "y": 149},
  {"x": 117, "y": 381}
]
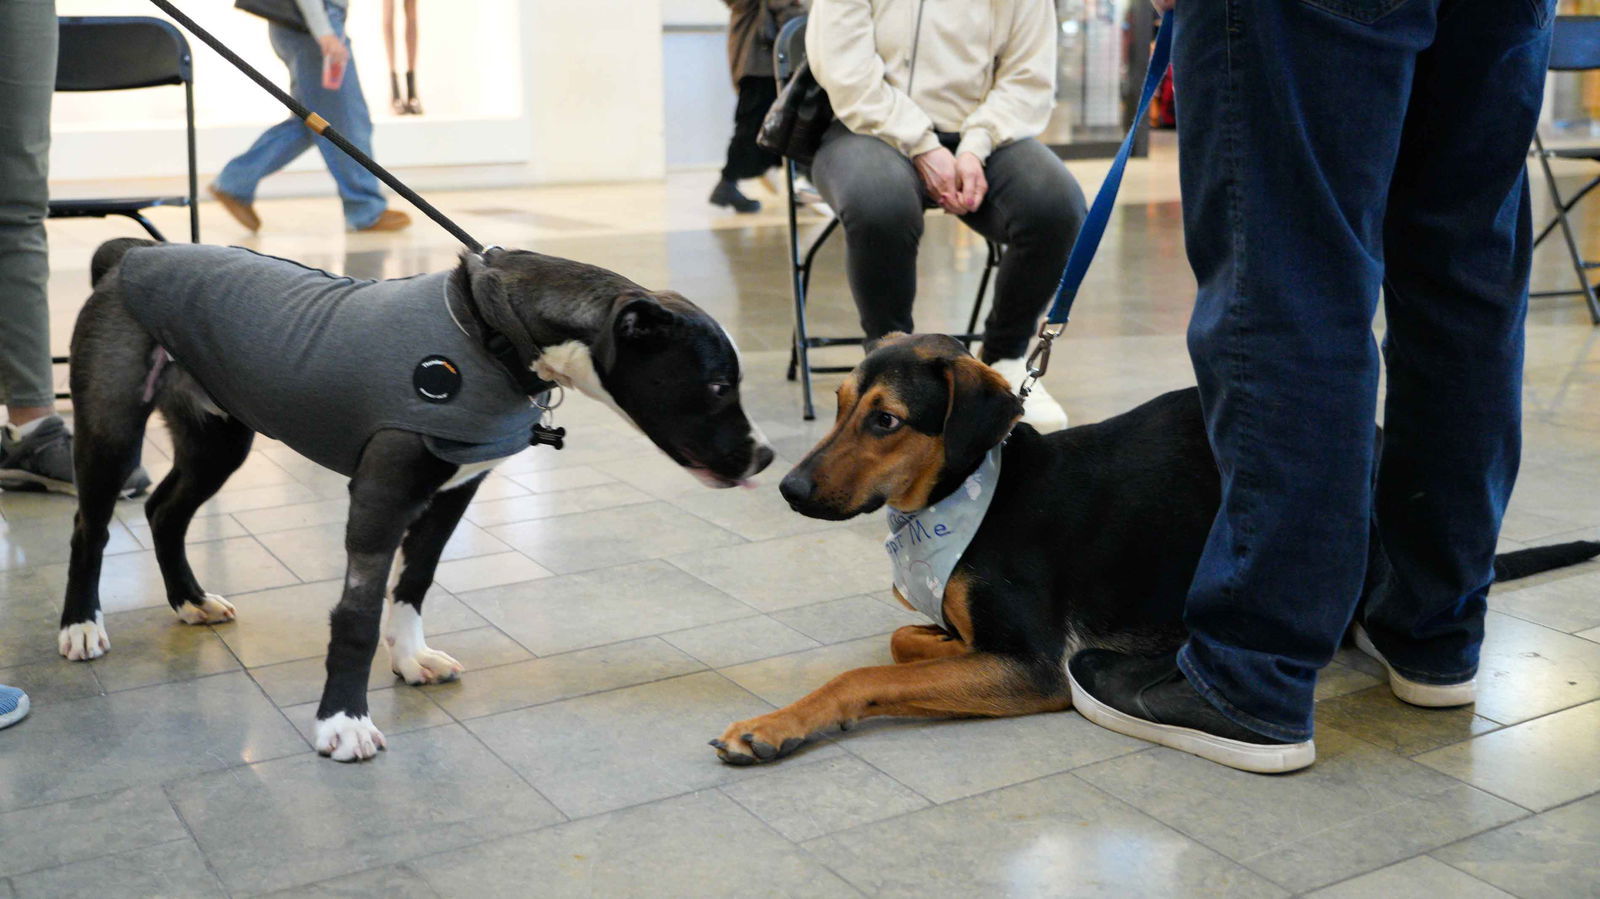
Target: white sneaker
[
  {"x": 1431, "y": 696},
  {"x": 1040, "y": 409}
]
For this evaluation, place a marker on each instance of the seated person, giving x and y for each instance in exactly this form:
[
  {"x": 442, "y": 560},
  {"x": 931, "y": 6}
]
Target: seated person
[{"x": 940, "y": 104}]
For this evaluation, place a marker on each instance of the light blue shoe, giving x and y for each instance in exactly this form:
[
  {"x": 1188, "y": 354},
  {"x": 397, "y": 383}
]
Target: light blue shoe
[{"x": 13, "y": 706}]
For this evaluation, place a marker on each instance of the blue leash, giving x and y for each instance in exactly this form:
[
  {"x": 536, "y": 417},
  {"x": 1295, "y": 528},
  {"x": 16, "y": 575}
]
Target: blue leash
[{"x": 1094, "y": 225}]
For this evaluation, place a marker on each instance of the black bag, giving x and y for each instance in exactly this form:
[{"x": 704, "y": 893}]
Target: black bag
[
  {"x": 278, "y": 12},
  {"x": 794, "y": 125}
]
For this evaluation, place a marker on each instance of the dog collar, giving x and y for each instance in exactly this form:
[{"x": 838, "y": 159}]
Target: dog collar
[{"x": 924, "y": 546}]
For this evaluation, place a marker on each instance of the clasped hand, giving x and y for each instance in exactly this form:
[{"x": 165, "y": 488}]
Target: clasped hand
[{"x": 956, "y": 183}]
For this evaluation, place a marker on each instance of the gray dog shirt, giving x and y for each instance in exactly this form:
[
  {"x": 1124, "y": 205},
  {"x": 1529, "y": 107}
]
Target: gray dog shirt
[{"x": 322, "y": 362}]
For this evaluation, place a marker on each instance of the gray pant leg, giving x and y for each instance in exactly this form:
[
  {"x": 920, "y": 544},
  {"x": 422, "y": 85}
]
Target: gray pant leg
[
  {"x": 27, "y": 81},
  {"x": 878, "y": 197},
  {"x": 1035, "y": 207}
]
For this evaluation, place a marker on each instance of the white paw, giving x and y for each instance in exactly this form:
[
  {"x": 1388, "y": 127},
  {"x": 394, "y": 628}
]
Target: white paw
[
  {"x": 211, "y": 610},
  {"x": 347, "y": 739},
  {"x": 82, "y": 642},
  {"x": 426, "y": 666}
]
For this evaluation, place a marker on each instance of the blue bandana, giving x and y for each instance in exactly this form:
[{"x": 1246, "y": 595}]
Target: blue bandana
[{"x": 924, "y": 546}]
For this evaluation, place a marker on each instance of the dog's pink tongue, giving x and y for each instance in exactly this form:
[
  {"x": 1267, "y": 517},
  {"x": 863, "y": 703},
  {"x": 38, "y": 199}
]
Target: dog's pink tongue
[{"x": 749, "y": 484}]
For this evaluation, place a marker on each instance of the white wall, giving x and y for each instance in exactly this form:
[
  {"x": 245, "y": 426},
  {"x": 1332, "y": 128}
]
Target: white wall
[{"x": 516, "y": 91}]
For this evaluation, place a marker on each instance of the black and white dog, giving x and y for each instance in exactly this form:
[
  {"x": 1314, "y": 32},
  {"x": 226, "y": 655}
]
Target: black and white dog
[{"x": 512, "y": 324}]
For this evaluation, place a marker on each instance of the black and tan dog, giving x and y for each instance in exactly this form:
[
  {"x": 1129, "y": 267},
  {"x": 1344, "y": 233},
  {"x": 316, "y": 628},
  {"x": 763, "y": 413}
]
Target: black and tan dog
[
  {"x": 426, "y": 385},
  {"x": 1091, "y": 539}
]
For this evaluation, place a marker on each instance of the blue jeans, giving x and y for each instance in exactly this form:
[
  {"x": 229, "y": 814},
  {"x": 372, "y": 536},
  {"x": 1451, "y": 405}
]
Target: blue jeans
[
  {"x": 345, "y": 109},
  {"x": 1333, "y": 151}
]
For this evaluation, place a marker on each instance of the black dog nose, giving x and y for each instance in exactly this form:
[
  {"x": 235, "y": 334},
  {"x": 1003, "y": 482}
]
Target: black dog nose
[
  {"x": 797, "y": 486},
  {"x": 764, "y": 457}
]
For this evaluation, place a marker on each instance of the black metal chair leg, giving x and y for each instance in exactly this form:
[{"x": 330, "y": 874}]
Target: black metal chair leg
[
  {"x": 148, "y": 225},
  {"x": 1566, "y": 232},
  {"x": 990, "y": 264},
  {"x": 798, "y": 273}
]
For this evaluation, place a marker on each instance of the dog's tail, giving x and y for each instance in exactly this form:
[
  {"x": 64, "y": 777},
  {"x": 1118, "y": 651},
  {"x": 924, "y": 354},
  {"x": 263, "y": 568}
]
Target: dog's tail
[
  {"x": 110, "y": 253},
  {"x": 1528, "y": 562}
]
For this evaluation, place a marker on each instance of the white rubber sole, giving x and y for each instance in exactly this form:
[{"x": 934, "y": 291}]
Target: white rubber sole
[
  {"x": 1428, "y": 696},
  {"x": 17, "y": 714},
  {"x": 1253, "y": 757}
]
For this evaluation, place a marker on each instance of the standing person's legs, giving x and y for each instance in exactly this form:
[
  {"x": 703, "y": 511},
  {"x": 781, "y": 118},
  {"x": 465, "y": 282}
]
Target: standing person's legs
[
  {"x": 1458, "y": 246},
  {"x": 277, "y": 146},
  {"x": 27, "y": 83},
  {"x": 1035, "y": 207},
  {"x": 746, "y": 158},
  {"x": 878, "y": 198},
  {"x": 1289, "y": 126},
  {"x": 345, "y": 109}
]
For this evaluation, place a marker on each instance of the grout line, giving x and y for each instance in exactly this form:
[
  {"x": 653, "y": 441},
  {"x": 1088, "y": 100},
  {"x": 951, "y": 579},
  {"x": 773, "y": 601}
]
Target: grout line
[{"x": 204, "y": 857}]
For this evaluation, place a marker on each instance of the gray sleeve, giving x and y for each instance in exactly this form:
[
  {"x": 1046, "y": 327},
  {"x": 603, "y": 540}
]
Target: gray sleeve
[{"x": 316, "y": 17}]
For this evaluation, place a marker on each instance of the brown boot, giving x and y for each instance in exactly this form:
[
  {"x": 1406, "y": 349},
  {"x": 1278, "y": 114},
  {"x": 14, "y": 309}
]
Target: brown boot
[
  {"x": 390, "y": 220},
  {"x": 244, "y": 212}
]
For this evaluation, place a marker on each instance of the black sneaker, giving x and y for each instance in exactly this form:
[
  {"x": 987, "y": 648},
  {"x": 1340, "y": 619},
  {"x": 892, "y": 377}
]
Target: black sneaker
[
  {"x": 1149, "y": 698},
  {"x": 726, "y": 193},
  {"x": 43, "y": 461}
]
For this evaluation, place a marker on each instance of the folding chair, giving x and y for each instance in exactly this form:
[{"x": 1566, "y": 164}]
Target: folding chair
[
  {"x": 789, "y": 51},
  {"x": 1574, "y": 48},
  {"x": 113, "y": 53}
]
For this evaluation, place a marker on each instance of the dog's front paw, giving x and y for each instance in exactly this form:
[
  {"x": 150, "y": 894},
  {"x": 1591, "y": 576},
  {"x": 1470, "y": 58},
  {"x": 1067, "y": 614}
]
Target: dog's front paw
[
  {"x": 757, "y": 740},
  {"x": 426, "y": 666},
  {"x": 211, "y": 609},
  {"x": 85, "y": 640},
  {"x": 346, "y": 739}
]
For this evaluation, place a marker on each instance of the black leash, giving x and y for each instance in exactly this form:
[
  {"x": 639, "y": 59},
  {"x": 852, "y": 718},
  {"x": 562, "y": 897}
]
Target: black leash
[{"x": 320, "y": 126}]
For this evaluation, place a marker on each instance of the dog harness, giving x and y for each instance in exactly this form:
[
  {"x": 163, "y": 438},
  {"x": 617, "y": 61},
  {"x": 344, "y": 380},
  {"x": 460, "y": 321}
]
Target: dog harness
[
  {"x": 924, "y": 546},
  {"x": 321, "y": 361}
]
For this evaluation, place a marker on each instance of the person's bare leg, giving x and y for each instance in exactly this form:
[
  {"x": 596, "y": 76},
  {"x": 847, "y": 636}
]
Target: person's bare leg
[
  {"x": 413, "y": 102},
  {"x": 396, "y": 104},
  {"x": 21, "y": 415}
]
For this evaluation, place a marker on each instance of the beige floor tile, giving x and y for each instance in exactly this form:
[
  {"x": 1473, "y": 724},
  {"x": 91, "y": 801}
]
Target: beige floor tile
[
  {"x": 1526, "y": 670},
  {"x": 1537, "y": 764},
  {"x": 1358, "y": 808},
  {"x": 1568, "y": 604},
  {"x": 478, "y": 572},
  {"x": 1376, "y": 716},
  {"x": 793, "y": 571},
  {"x": 1547, "y": 856},
  {"x": 229, "y": 567},
  {"x": 612, "y": 537},
  {"x": 1417, "y": 878},
  {"x": 810, "y": 800},
  {"x": 537, "y": 681},
  {"x": 535, "y": 506},
  {"x": 1052, "y": 837},
  {"x": 592, "y": 608},
  {"x": 742, "y": 640}
]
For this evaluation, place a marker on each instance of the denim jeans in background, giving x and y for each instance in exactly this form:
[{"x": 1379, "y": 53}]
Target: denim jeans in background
[
  {"x": 1330, "y": 151},
  {"x": 345, "y": 109}
]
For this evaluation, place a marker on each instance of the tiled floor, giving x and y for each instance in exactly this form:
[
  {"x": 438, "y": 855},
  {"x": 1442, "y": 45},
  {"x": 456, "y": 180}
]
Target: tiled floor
[{"x": 613, "y": 616}]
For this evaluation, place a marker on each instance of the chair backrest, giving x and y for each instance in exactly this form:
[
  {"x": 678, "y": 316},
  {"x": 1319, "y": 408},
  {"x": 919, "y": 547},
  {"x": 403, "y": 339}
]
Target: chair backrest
[
  {"x": 789, "y": 48},
  {"x": 1575, "y": 47},
  {"x": 111, "y": 53}
]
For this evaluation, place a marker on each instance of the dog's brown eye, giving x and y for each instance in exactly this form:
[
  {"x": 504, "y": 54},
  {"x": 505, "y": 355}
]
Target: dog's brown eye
[{"x": 885, "y": 421}]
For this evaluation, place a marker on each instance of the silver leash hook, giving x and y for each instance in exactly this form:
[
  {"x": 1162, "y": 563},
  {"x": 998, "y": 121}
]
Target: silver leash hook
[{"x": 1039, "y": 360}]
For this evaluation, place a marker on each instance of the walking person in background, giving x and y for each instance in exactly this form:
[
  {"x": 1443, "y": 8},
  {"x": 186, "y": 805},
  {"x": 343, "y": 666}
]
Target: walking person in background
[
  {"x": 365, "y": 207},
  {"x": 752, "y": 27},
  {"x": 35, "y": 445},
  {"x": 411, "y": 104}
]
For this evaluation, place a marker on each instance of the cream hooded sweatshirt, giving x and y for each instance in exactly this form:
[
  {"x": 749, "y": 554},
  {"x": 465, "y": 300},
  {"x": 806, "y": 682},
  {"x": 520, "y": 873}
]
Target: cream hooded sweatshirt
[{"x": 984, "y": 69}]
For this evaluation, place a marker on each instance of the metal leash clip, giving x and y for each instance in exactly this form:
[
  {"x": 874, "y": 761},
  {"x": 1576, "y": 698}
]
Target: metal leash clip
[{"x": 1039, "y": 359}]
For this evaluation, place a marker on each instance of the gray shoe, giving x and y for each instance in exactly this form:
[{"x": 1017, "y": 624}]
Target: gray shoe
[{"x": 43, "y": 461}]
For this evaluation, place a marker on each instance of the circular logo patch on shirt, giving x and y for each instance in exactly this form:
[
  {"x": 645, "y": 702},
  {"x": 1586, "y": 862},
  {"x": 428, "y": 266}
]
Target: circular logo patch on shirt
[{"x": 436, "y": 379}]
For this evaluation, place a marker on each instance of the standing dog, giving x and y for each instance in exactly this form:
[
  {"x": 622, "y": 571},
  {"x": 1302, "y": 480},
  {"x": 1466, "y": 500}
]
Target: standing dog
[
  {"x": 1091, "y": 538},
  {"x": 414, "y": 388}
]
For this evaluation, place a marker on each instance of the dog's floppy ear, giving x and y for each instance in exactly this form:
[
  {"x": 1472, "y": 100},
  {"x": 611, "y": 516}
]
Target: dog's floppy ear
[
  {"x": 981, "y": 412},
  {"x": 640, "y": 318},
  {"x": 491, "y": 300}
]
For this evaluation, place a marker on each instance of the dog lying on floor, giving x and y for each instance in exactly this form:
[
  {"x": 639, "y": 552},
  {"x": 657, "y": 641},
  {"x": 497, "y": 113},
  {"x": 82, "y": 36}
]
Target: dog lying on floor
[
  {"x": 413, "y": 387},
  {"x": 1090, "y": 537}
]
